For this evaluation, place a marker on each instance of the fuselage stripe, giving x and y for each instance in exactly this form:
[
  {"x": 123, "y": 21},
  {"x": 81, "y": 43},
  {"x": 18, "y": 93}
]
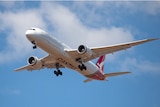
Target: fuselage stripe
[{"x": 97, "y": 75}]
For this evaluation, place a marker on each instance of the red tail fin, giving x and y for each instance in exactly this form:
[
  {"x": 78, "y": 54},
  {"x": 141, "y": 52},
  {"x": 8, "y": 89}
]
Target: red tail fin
[{"x": 100, "y": 63}]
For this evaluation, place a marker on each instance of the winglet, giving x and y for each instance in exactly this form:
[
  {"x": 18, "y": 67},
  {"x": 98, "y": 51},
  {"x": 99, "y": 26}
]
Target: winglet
[
  {"x": 151, "y": 39},
  {"x": 20, "y": 69}
]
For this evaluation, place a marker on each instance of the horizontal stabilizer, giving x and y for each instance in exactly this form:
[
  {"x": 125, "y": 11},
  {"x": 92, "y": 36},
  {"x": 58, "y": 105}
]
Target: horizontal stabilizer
[
  {"x": 115, "y": 74},
  {"x": 108, "y": 75},
  {"x": 87, "y": 80}
]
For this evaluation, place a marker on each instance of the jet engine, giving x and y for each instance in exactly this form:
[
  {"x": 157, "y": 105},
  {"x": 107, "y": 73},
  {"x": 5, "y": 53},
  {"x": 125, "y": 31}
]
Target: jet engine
[
  {"x": 35, "y": 62},
  {"x": 84, "y": 50}
]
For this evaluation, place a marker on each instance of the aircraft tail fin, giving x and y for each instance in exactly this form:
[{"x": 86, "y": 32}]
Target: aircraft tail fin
[{"x": 100, "y": 63}]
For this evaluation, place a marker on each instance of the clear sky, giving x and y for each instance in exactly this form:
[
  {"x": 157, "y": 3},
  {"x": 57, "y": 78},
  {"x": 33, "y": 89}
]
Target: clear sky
[{"x": 75, "y": 23}]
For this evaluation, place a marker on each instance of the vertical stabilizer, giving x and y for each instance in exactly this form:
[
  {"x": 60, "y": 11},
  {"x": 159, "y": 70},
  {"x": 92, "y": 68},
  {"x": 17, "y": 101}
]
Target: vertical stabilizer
[{"x": 100, "y": 63}]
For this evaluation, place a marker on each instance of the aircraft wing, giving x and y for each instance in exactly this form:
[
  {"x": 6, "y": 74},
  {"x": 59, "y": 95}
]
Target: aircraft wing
[
  {"x": 99, "y": 51},
  {"x": 47, "y": 62}
]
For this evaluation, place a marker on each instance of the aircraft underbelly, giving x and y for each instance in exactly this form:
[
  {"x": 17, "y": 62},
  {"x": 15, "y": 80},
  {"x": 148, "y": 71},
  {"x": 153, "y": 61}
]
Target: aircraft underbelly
[
  {"x": 71, "y": 63},
  {"x": 63, "y": 58},
  {"x": 48, "y": 46}
]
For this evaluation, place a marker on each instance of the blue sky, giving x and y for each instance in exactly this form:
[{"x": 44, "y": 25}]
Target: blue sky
[{"x": 75, "y": 23}]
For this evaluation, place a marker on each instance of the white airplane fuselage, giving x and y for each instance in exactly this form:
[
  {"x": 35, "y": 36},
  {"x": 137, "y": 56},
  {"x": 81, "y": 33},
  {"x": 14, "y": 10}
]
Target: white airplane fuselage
[{"x": 57, "y": 50}]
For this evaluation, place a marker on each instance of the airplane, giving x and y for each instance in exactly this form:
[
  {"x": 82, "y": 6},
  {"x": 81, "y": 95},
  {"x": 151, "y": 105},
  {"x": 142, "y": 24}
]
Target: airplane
[{"x": 62, "y": 56}]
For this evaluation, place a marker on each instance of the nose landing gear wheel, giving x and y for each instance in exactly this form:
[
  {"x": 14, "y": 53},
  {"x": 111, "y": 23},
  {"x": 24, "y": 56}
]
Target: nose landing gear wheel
[
  {"x": 34, "y": 43},
  {"x": 34, "y": 47}
]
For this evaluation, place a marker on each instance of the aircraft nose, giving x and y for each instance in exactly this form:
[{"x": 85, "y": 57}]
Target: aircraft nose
[{"x": 29, "y": 33}]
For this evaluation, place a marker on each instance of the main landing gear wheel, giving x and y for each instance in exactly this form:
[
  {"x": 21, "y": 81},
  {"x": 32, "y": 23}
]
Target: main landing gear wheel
[
  {"x": 57, "y": 73},
  {"x": 82, "y": 67}
]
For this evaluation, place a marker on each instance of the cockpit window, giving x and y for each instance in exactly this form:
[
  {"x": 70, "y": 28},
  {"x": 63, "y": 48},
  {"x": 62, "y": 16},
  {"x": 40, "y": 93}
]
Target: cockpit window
[{"x": 32, "y": 29}]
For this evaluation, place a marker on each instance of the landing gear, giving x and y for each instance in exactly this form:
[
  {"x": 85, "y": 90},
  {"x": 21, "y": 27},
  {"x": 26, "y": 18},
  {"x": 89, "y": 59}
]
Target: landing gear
[
  {"x": 34, "y": 44},
  {"x": 34, "y": 47},
  {"x": 82, "y": 66},
  {"x": 57, "y": 72}
]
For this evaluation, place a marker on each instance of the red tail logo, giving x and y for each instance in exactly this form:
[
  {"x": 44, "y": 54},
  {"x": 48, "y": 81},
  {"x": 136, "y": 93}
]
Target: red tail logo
[{"x": 100, "y": 63}]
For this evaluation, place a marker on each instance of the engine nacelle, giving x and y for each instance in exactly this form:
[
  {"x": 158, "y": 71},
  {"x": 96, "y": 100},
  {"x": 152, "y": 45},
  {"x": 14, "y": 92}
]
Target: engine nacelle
[
  {"x": 84, "y": 50},
  {"x": 35, "y": 62}
]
